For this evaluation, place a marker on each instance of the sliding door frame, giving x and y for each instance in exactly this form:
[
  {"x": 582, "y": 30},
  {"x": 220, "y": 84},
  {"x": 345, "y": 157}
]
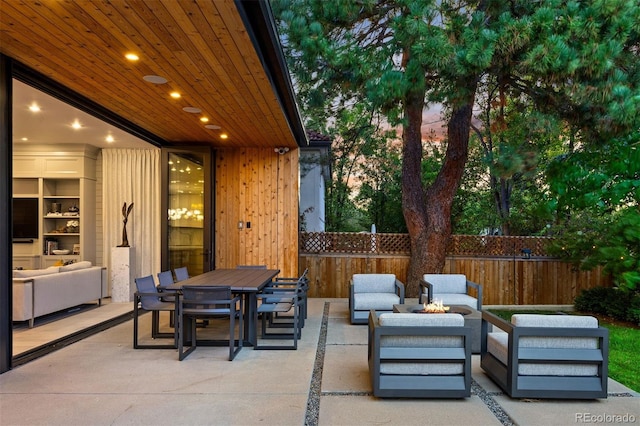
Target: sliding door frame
[{"x": 208, "y": 245}]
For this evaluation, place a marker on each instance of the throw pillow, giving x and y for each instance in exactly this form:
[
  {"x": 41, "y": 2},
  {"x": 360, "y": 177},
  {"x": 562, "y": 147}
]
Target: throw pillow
[{"x": 75, "y": 266}]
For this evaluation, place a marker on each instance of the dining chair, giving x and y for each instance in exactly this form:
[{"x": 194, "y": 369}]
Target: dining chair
[
  {"x": 279, "y": 301},
  {"x": 165, "y": 278},
  {"x": 298, "y": 286},
  {"x": 208, "y": 302},
  {"x": 149, "y": 298},
  {"x": 181, "y": 273}
]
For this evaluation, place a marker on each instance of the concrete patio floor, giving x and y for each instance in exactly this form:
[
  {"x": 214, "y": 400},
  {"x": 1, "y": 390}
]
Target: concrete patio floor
[{"x": 101, "y": 380}]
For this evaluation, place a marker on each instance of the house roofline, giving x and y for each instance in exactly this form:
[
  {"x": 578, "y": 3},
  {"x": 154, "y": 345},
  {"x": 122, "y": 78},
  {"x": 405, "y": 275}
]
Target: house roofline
[{"x": 260, "y": 24}]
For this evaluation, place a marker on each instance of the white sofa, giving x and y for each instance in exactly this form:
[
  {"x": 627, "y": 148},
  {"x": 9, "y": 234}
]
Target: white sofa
[{"x": 43, "y": 291}]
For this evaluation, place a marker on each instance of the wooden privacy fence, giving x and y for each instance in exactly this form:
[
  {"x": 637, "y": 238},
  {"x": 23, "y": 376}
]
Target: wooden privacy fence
[{"x": 512, "y": 270}]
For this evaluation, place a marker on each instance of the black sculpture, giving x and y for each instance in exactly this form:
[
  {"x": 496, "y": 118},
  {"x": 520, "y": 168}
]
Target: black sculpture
[{"x": 125, "y": 213}]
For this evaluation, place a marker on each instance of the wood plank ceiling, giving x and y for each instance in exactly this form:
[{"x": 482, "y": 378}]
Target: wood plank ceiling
[{"x": 202, "y": 48}]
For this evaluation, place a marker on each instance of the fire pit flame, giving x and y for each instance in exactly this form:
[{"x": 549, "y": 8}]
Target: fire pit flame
[{"x": 435, "y": 307}]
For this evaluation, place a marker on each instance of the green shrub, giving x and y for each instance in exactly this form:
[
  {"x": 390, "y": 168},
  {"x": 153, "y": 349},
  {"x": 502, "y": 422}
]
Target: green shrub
[
  {"x": 633, "y": 314},
  {"x": 616, "y": 303}
]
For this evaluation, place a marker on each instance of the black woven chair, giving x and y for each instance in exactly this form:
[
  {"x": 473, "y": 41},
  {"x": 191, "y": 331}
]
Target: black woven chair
[
  {"x": 275, "y": 301},
  {"x": 165, "y": 278},
  {"x": 209, "y": 303},
  {"x": 149, "y": 298},
  {"x": 181, "y": 273},
  {"x": 290, "y": 286}
]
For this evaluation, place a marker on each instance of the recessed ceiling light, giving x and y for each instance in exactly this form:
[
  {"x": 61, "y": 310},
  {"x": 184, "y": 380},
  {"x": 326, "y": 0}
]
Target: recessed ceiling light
[
  {"x": 76, "y": 124},
  {"x": 175, "y": 95},
  {"x": 132, "y": 56},
  {"x": 24, "y": 139},
  {"x": 155, "y": 79},
  {"x": 192, "y": 110},
  {"x": 223, "y": 136},
  {"x": 204, "y": 119},
  {"x": 109, "y": 139},
  {"x": 213, "y": 126},
  {"x": 34, "y": 107}
]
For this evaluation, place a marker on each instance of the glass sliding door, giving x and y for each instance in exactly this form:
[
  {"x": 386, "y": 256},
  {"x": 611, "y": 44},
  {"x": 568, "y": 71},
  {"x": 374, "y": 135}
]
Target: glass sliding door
[{"x": 188, "y": 234}]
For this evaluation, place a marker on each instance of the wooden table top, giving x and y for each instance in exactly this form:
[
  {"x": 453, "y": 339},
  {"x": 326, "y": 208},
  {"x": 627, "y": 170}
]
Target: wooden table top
[{"x": 241, "y": 280}]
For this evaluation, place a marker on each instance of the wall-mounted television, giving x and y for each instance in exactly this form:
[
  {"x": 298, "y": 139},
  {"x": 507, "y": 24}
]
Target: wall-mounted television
[{"x": 25, "y": 218}]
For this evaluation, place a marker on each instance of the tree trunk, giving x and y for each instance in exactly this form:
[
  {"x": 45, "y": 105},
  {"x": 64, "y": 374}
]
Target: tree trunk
[{"x": 428, "y": 212}]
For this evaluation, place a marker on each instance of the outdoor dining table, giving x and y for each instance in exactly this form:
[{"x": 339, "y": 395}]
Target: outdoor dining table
[{"x": 246, "y": 282}]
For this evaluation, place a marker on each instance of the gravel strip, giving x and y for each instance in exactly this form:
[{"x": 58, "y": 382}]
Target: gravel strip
[
  {"x": 491, "y": 403},
  {"x": 313, "y": 402}
]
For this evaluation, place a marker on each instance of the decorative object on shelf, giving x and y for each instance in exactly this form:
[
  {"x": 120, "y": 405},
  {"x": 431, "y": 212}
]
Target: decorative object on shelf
[
  {"x": 55, "y": 207},
  {"x": 50, "y": 245},
  {"x": 73, "y": 226},
  {"x": 125, "y": 214},
  {"x": 60, "y": 252},
  {"x": 74, "y": 209},
  {"x": 76, "y": 249}
]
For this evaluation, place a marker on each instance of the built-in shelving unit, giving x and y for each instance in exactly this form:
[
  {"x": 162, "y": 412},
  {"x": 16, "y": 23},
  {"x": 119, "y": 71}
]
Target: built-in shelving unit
[{"x": 65, "y": 189}]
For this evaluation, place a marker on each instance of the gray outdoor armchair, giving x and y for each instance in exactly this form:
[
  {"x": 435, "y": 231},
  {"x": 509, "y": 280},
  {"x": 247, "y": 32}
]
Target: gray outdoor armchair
[
  {"x": 452, "y": 289},
  {"x": 546, "y": 356},
  {"x": 373, "y": 291},
  {"x": 419, "y": 355}
]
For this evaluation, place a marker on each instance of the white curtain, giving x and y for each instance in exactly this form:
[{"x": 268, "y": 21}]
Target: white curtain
[{"x": 133, "y": 176}]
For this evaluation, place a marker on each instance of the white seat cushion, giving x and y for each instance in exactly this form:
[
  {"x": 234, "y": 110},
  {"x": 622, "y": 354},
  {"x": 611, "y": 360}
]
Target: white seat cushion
[
  {"x": 498, "y": 346},
  {"x": 374, "y": 283},
  {"x": 568, "y": 342},
  {"x": 447, "y": 283},
  {"x": 376, "y": 301},
  {"x": 421, "y": 320},
  {"x": 422, "y": 368},
  {"x": 457, "y": 299}
]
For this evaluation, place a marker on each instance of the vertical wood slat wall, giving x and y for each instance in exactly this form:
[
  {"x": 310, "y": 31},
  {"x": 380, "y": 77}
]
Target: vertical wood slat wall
[
  {"x": 259, "y": 186},
  {"x": 504, "y": 281}
]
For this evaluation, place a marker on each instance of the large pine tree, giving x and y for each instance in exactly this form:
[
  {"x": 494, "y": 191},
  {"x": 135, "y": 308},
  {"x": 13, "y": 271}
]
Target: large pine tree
[{"x": 578, "y": 59}]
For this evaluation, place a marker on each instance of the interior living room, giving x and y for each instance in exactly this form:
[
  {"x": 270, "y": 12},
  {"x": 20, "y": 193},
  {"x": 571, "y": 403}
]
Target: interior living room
[{"x": 183, "y": 151}]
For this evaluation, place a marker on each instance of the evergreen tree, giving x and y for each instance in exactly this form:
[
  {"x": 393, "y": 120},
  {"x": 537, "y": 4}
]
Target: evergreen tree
[{"x": 574, "y": 59}]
